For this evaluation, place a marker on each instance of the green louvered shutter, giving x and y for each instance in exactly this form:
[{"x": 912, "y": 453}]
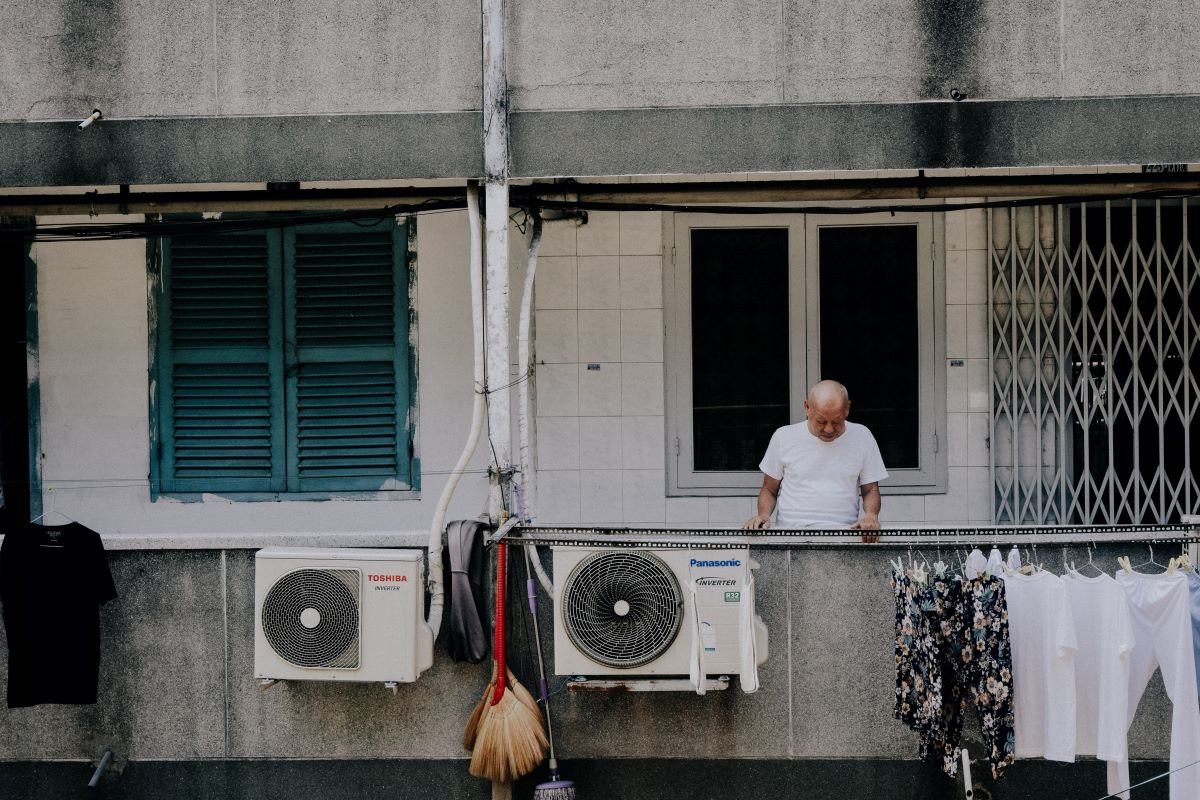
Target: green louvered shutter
[
  {"x": 347, "y": 350},
  {"x": 220, "y": 364}
]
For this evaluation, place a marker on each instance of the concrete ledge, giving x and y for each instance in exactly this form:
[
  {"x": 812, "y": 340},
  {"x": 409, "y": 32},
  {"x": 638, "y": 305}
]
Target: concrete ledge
[
  {"x": 240, "y": 149},
  {"x": 861, "y": 136},
  {"x": 1045, "y": 132}
]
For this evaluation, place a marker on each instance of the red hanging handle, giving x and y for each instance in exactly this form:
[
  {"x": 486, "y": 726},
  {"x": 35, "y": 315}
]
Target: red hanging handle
[{"x": 501, "y": 617}]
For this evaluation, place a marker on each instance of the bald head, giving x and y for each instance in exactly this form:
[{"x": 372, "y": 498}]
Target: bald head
[
  {"x": 827, "y": 407},
  {"x": 828, "y": 392}
]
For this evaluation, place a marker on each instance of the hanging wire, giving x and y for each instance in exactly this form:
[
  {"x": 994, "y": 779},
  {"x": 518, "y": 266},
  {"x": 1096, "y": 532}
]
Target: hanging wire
[
  {"x": 525, "y": 201},
  {"x": 1158, "y": 777}
]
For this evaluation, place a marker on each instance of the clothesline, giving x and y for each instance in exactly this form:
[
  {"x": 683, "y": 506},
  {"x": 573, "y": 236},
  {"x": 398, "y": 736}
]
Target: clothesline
[
  {"x": 719, "y": 538},
  {"x": 1158, "y": 777}
]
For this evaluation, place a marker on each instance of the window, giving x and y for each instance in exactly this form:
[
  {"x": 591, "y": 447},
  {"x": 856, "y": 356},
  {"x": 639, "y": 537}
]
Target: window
[
  {"x": 284, "y": 362},
  {"x": 761, "y": 307}
]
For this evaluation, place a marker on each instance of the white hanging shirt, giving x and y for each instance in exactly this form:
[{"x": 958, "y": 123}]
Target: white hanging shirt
[
  {"x": 1162, "y": 632},
  {"x": 1104, "y": 633},
  {"x": 1043, "y": 655}
]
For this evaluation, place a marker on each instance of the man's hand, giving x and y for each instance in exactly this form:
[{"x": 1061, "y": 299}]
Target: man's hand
[
  {"x": 868, "y": 522},
  {"x": 757, "y": 522}
]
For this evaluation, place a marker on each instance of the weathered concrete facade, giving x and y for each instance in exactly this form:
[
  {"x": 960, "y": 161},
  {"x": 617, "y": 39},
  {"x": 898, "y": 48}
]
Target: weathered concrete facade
[
  {"x": 234, "y": 95},
  {"x": 386, "y": 92}
]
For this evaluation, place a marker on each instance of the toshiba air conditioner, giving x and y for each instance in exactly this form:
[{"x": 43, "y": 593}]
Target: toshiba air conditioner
[
  {"x": 632, "y": 612},
  {"x": 340, "y": 615}
]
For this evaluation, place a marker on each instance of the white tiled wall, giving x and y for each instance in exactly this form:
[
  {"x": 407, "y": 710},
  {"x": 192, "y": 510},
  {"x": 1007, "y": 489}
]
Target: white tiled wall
[{"x": 601, "y": 431}]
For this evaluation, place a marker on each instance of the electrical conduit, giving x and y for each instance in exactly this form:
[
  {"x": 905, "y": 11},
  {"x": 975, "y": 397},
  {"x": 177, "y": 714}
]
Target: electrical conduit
[
  {"x": 437, "y": 591},
  {"x": 524, "y": 409}
]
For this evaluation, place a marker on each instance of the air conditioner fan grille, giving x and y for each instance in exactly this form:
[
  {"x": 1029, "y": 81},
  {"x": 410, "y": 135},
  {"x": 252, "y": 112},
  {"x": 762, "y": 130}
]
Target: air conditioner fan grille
[
  {"x": 310, "y": 617},
  {"x": 622, "y": 609}
]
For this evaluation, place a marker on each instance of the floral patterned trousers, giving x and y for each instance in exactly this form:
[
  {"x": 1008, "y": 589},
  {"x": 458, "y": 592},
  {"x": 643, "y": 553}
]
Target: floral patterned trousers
[{"x": 953, "y": 652}]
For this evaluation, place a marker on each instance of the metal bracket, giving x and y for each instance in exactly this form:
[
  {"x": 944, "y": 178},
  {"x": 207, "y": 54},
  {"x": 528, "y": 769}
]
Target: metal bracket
[
  {"x": 390, "y": 685},
  {"x": 580, "y": 683},
  {"x": 266, "y": 683}
]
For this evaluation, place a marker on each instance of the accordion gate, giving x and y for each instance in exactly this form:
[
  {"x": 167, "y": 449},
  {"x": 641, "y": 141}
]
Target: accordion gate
[{"x": 1095, "y": 353}]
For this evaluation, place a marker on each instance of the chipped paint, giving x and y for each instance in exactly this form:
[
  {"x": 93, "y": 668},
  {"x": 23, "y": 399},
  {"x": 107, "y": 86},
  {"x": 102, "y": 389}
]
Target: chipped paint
[{"x": 412, "y": 423}]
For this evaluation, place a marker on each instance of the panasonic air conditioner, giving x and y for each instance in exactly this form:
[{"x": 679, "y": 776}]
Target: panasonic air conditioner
[
  {"x": 340, "y": 615},
  {"x": 631, "y": 612}
]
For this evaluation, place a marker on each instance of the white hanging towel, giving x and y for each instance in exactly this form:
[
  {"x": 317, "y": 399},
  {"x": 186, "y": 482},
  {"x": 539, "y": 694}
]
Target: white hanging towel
[
  {"x": 696, "y": 661},
  {"x": 1194, "y": 590},
  {"x": 748, "y": 644},
  {"x": 1043, "y": 665},
  {"x": 1104, "y": 634},
  {"x": 1162, "y": 631}
]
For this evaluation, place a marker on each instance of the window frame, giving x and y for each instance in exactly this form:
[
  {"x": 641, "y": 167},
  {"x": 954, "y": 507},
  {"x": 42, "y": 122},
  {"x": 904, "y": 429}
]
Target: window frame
[
  {"x": 281, "y": 312},
  {"x": 804, "y": 341}
]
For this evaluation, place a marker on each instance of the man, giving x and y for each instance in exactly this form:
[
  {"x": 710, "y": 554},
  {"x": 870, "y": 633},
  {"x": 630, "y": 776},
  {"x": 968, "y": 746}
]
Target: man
[{"x": 815, "y": 472}]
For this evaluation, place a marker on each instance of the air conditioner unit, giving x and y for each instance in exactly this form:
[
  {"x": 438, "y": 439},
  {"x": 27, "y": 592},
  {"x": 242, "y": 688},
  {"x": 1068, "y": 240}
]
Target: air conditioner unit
[
  {"x": 340, "y": 615},
  {"x": 627, "y": 612}
]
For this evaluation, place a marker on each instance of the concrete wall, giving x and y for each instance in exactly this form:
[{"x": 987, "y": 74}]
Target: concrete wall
[
  {"x": 157, "y": 58},
  {"x": 255, "y": 90},
  {"x": 151, "y": 58}
]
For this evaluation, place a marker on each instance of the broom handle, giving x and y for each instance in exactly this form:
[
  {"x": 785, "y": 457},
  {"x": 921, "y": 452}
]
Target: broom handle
[
  {"x": 531, "y": 590},
  {"x": 501, "y": 620}
]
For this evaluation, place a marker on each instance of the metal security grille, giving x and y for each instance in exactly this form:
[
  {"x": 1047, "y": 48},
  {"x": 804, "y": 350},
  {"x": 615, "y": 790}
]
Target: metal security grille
[{"x": 1095, "y": 353}]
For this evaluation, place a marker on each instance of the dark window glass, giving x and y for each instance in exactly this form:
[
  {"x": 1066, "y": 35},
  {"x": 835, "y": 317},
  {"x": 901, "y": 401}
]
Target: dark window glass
[
  {"x": 739, "y": 344},
  {"x": 869, "y": 336}
]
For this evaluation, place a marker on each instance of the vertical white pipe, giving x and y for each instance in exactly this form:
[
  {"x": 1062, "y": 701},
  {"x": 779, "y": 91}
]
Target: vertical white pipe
[
  {"x": 437, "y": 591},
  {"x": 495, "y": 168},
  {"x": 524, "y": 407},
  {"x": 525, "y": 373}
]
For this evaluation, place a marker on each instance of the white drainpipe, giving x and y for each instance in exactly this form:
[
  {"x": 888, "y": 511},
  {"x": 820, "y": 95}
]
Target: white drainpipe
[
  {"x": 495, "y": 187},
  {"x": 437, "y": 591}
]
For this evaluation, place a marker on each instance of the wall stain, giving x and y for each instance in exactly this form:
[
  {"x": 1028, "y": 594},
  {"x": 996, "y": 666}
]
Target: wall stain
[
  {"x": 92, "y": 44},
  {"x": 950, "y": 34}
]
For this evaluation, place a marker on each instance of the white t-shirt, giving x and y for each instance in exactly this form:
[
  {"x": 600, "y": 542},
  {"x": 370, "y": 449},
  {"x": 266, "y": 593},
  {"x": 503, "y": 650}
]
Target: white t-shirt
[
  {"x": 1104, "y": 633},
  {"x": 1042, "y": 632},
  {"x": 821, "y": 479}
]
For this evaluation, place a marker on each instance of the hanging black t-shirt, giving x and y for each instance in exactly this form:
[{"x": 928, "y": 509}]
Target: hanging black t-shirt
[{"x": 53, "y": 580}]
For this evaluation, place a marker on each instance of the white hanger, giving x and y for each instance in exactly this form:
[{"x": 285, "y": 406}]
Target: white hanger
[
  {"x": 1150, "y": 547},
  {"x": 50, "y": 510},
  {"x": 939, "y": 566},
  {"x": 47, "y": 513},
  {"x": 1090, "y": 563}
]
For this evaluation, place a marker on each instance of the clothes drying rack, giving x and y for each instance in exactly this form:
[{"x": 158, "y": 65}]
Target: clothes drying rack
[{"x": 1187, "y": 533}]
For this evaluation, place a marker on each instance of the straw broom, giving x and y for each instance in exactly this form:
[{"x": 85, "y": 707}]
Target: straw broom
[
  {"x": 472, "y": 729},
  {"x": 510, "y": 740}
]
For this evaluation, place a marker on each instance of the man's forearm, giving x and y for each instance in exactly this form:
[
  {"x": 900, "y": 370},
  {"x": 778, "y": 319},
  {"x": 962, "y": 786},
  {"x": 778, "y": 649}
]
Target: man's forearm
[
  {"x": 872, "y": 502},
  {"x": 766, "y": 502}
]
